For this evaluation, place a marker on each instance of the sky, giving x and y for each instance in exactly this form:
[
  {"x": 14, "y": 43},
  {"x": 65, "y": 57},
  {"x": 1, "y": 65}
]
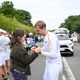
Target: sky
[{"x": 52, "y": 12}]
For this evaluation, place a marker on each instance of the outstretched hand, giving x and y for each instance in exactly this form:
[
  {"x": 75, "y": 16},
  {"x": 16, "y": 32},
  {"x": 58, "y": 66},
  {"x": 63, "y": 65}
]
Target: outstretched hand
[{"x": 37, "y": 50}]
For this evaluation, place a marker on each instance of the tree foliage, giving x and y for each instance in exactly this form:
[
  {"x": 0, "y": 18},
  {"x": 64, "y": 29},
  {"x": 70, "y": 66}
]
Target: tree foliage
[
  {"x": 24, "y": 17},
  {"x": 72, "y": 23},
  {"x": 10, "y": 25},
  {"x": 7, "y": 8}
]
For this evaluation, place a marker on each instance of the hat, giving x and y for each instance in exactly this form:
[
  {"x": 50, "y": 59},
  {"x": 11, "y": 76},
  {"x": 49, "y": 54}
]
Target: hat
[
  {"x": 4, "y": 31},
  {"x": 30, "y": 33},
  {"x": 1, "y": 30}
]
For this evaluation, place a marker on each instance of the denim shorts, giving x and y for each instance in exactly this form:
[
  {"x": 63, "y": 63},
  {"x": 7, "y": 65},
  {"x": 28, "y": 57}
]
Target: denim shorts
[{"x": 18, "y": 75}]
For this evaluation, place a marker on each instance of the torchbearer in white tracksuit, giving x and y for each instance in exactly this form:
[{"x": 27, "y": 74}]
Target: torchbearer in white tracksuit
[
  {"x": 74, "y": 36},
  {"x": 51, "y": 49}
]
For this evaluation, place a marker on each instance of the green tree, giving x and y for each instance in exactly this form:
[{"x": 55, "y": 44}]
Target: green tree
[
  {"x": 72, "y": 23},
  {"x": 7, "y": 9},
  {"x": 10, "y": 24},
  {"x": 24, "y": 17}
]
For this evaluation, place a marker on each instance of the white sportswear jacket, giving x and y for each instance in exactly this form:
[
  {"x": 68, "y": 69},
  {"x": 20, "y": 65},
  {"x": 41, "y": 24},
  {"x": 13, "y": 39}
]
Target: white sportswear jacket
[{"x": 51, "y": 49}]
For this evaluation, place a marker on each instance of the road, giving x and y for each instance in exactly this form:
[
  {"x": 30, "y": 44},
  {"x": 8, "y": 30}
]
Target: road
[
  {"x": 37, "y": 68},
  {"x": 74, "y": 62}
]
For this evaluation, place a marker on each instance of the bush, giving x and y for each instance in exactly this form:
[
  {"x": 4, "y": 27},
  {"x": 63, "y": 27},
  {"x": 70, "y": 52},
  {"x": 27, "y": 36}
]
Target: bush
[{"x": 10, "y": 24}]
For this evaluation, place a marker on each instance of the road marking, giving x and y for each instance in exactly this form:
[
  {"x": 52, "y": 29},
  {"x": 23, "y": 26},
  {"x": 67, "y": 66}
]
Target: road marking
[
  {"x": 63, "y": 77},
  {"x": 68, "y": 70}
]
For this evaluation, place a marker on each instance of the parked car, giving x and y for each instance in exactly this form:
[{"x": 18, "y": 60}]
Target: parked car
[{"x": 66, "y": 45}]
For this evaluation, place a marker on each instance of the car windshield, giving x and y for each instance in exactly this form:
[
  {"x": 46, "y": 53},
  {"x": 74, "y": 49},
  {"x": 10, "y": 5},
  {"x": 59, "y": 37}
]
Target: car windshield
[{"x": 63, "y": 37}]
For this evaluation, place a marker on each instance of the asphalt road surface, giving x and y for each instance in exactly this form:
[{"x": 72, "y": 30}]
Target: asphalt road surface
[
  {"x": 37, "y": 68},
  {"x": 74, "y": 62}
]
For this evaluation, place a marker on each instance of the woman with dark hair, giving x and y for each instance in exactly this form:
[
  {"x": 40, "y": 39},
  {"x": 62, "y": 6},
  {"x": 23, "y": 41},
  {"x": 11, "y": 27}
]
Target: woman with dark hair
[{"x": 20, "y": 60}]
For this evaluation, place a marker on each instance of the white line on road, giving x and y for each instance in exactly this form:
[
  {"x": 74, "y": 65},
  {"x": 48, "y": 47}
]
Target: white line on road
[
  {"x": 63, "y": 77},
  {"x": 68, "y": 70}
]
